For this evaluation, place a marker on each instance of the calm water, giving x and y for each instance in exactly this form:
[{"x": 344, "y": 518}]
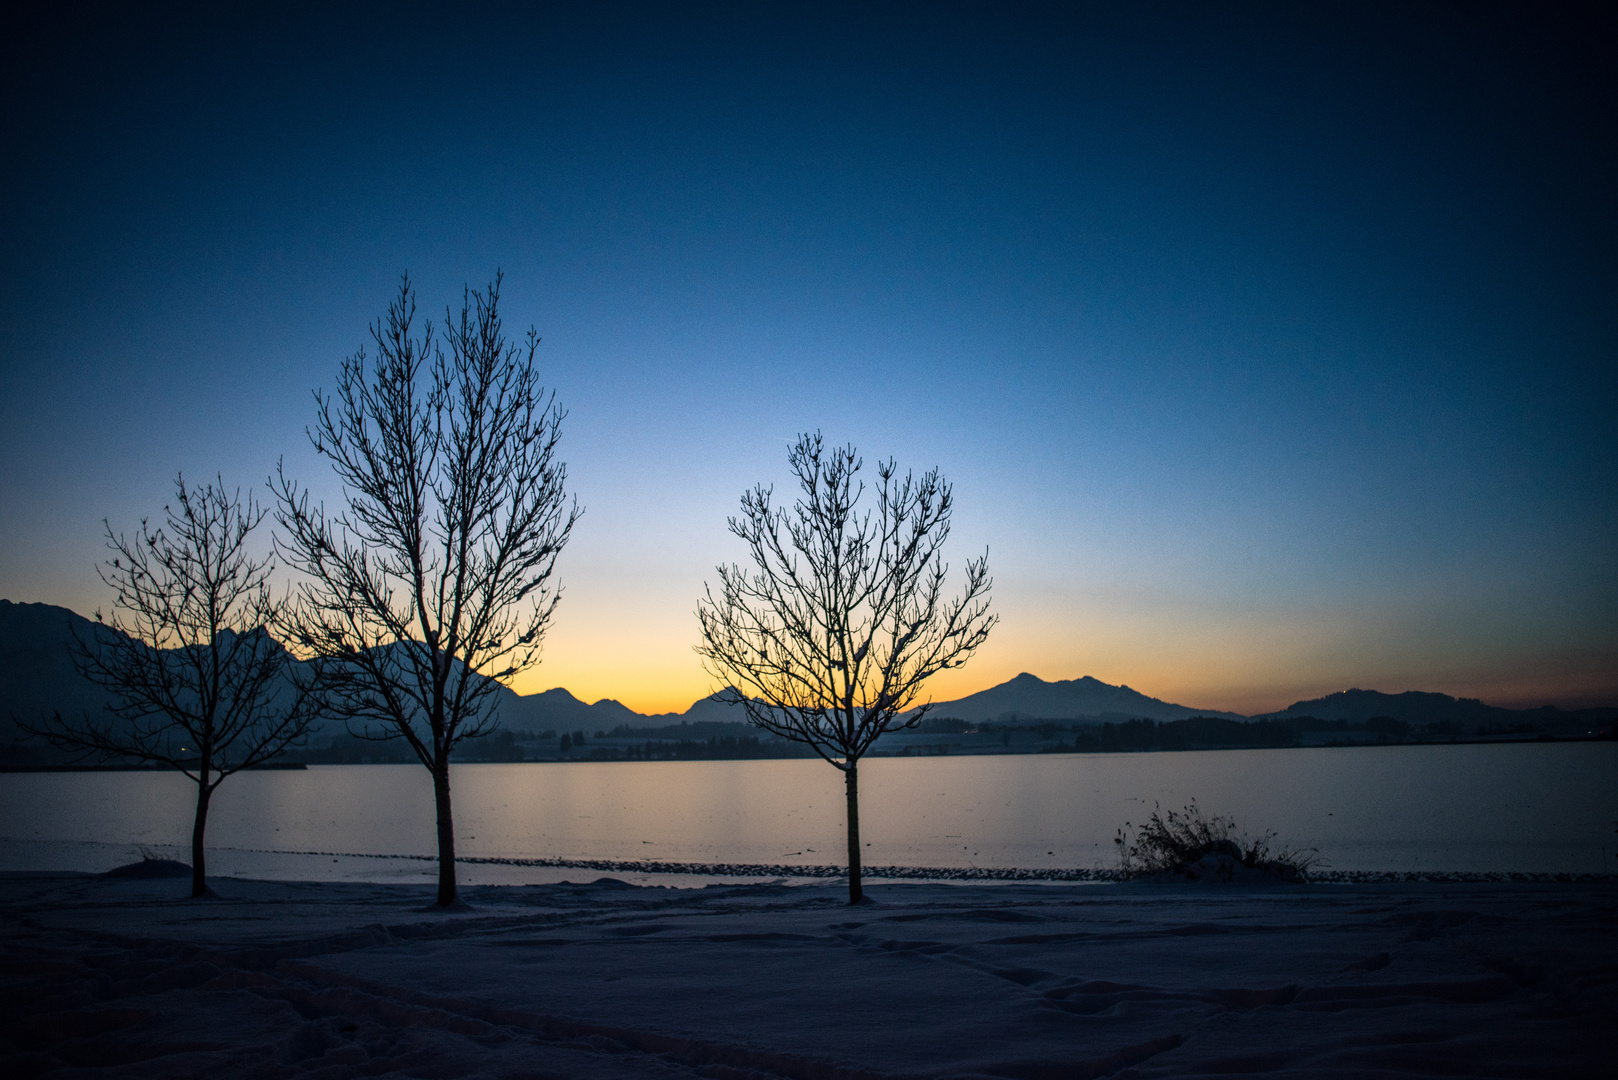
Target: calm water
[{"x": 1519, "y": 807}]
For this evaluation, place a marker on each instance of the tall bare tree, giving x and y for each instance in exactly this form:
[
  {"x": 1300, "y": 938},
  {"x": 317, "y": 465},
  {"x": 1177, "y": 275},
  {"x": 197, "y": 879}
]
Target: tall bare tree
[
  {"x": 436, "y": 579},
  {"x": 195, "y": 680},
  {"x": 828, "y": 637}
]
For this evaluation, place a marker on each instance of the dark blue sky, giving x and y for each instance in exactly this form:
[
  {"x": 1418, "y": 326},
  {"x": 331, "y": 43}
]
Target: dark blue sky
[{"x": 1270, "y": 351}]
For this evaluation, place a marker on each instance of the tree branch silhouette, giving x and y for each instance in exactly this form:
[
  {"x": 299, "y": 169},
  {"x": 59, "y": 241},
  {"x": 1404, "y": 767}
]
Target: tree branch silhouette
[
  {"x": 826, "y": 638},
  {"x": 436, "y": 579},
  {"x": 197, "y": 683}
]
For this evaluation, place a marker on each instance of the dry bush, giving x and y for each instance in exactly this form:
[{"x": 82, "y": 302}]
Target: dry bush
[{"x": 1178, "y": 842}]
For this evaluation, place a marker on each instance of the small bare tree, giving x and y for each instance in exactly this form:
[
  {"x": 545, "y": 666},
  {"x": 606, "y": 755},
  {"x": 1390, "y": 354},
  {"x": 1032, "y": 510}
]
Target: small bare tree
[
  {"x": 196, "y": 681},
  {"x": 829, "y": 637},
  {"x": 436, "y": 580}
]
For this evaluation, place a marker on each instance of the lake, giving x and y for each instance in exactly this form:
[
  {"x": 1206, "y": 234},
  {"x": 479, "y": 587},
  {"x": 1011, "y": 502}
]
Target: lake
[{"x": 1549, "y": 807}]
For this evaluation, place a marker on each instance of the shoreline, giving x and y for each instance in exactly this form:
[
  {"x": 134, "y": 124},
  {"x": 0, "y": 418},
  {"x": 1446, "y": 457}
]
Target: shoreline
[
  {"x": 983, "y": 874},
  {"x": 19, "y": 855},
  {"x": 931, "y": 750}
]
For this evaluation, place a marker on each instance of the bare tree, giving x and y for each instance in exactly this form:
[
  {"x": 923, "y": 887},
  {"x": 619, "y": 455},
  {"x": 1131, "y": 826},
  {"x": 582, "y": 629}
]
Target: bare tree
[
  {"x": 436, "y": 579},
  {"x": 828, "y": 638},
  {"x": 196, "y": 681}
]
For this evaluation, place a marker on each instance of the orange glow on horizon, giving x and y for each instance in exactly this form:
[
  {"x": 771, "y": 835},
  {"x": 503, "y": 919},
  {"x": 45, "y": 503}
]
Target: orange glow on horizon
[
  {"x": 1522, "y": 692},
  {"x": 1243, "y": 666}
]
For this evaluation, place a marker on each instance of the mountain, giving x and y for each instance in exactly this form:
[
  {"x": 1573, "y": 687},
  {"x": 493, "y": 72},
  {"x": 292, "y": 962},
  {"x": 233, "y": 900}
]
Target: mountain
[
  {"x": 1028, "y": 697},
  {"x": 37, "y": 678},
  {"x": 710, "y": 710},
  {"x": 36, "y": 666},
  {"x": 557, "y": 710},
  {"x": 1412, "y": 706}
]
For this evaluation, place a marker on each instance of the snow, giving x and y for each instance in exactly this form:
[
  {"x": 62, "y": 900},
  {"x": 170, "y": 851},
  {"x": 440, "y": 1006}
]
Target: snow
[{"x": 124, "y": 977}]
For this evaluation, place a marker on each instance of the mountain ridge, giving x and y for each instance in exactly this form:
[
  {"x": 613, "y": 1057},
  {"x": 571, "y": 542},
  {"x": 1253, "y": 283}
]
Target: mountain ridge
[
  {"x": 37, "y": 677},
  {"x": 1358, "y": 706}
]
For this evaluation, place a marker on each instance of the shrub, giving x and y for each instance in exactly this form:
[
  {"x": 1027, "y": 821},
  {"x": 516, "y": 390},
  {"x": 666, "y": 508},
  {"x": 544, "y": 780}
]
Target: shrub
[{"x": 1192, "y": 845}]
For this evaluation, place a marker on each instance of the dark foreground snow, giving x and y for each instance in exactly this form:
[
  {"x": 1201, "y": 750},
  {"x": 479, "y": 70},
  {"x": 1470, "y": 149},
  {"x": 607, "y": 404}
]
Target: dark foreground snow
[{"x": 120, "y": 977}]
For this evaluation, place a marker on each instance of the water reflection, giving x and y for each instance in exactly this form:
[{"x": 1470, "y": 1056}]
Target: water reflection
[{"x": 1518, "y": 807}]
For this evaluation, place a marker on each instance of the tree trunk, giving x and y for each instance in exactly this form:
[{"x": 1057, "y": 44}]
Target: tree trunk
[
  {"x": 446, "y": 835},
  {"x": 199, "y": 827},
  {"x": 851, "y": 780}
]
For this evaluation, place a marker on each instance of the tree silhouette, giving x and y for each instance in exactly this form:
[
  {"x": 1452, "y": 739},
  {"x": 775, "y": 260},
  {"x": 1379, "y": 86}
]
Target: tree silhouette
[
  {"x": 195, "y": 680},
  {"x": 435, "y": 580},
  {"x": 828, "y": 637}
]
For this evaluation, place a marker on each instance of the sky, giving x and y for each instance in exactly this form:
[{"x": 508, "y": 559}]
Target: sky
[{"x": 1270, "y": 349}]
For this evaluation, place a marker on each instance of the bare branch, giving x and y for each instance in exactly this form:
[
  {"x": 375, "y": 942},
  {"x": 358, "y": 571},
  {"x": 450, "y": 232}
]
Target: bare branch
[
  {"x": 828, "y": 637},
  {"x": 195, "y": 680},
  {"x": 435, "y": 581}
]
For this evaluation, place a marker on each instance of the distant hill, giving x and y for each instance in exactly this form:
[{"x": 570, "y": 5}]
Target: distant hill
[
  {"x": 1028, "y": 697},
  {"x": 709, "y": 710},
  {"x": 1416, "y": 707},
  {"x": 558, "y": 710}
]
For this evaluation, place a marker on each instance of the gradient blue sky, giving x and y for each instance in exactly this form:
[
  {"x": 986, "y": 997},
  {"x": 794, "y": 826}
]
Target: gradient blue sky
[{"x": 1270, "y": 352}]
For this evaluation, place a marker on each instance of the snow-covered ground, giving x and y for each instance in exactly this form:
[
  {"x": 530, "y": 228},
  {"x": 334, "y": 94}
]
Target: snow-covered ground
[{"x": 114, "y": 977}]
